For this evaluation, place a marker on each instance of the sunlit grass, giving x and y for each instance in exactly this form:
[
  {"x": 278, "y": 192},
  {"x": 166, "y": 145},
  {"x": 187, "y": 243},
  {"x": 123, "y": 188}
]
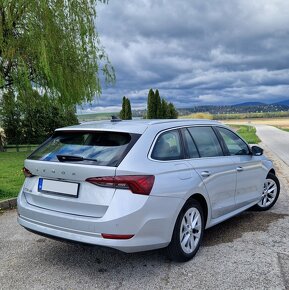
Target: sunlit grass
[
  {"x": 11, "y": 176},
  {"x": 247, "y": 132}
]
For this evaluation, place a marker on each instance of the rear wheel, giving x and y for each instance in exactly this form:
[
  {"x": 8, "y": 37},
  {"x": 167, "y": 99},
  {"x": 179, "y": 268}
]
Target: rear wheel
[
  {"x": 270, "y": 193},
  {"x": 188, "y": 233}
]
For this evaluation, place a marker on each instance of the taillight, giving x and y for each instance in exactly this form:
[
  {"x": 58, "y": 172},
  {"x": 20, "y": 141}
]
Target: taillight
[
  {"x": 26, "y": 172},
  {"x": 139, "y": 184}
]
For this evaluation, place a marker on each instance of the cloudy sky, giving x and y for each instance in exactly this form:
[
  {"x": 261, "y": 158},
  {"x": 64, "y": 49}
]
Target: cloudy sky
[{"x": 195, "y": 52}]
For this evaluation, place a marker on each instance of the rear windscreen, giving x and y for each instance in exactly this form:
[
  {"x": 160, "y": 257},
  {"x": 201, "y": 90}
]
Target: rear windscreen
[{"x": 96, "y": 148}]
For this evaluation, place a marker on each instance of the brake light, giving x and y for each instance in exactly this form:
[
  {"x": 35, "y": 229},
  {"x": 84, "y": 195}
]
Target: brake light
[
  {"x": 139, "y": 184},
  {"x": 26, "y": 172}
]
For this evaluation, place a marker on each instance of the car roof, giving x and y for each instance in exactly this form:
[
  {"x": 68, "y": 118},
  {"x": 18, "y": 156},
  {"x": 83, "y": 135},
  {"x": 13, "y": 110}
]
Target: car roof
[{"x": 136, "y": 126}]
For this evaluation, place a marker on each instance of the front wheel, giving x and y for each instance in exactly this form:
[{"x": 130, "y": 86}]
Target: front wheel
[
  {"x": 270, "y": 193},
  {"x": 188, "y": 233}
]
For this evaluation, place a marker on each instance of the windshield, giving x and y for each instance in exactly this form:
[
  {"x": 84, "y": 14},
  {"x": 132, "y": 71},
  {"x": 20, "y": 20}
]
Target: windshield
[{"x": 98, "y": 147}]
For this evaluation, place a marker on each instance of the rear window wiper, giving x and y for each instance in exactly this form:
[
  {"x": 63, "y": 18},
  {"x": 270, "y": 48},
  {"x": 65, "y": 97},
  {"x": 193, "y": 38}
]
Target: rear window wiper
[{"x": 64, "y": 158}]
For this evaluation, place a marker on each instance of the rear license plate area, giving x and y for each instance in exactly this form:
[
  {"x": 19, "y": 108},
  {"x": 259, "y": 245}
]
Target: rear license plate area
[{"x": 58, "y": 187}]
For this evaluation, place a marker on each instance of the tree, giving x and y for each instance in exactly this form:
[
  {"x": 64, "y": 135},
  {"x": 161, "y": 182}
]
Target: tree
[
  {"x": 122, "y": 111},
  {"x": 172, "y": 112},
  {"x": 164, "y": 109},
  {"x": 158, "y": 104},
  {"x": 53, "y": 46},
  {"x": 11, "y": 118},
  {"x": 125, "y": 113},
  {"x": 128, "y": 114},
  {"x": 2, "y": 140},
  {"x": 33, "y": 124},
  {"x": 151, "y": 111},
  {"x": 158, "y": 108}
]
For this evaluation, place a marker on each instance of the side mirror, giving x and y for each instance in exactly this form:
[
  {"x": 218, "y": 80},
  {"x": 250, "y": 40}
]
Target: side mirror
[{"x": 257, "y": 151}]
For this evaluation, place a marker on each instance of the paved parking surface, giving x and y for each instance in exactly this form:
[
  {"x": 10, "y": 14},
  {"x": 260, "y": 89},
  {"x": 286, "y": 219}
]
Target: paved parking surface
[{"x": 248, "y": 251}]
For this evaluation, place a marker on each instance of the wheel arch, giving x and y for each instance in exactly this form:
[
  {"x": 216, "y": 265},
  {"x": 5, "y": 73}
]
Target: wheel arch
[
  {"x": 272, "y": 170},
  {"x": 203, "y": 202}
]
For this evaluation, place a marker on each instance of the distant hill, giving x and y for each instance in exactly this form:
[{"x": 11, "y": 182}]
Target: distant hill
[
  {"x": 282, "y": 103},
  {"x": 247, "y": 104}
]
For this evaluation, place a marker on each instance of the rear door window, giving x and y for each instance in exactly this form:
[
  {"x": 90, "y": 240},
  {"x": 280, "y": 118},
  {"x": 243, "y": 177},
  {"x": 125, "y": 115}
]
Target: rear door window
[
  {"x": 168, "y": 146},
  {"x": 206, "y": 140},
  {"x": 192, "y": 150},
  {"x": 96, "y": 148}
]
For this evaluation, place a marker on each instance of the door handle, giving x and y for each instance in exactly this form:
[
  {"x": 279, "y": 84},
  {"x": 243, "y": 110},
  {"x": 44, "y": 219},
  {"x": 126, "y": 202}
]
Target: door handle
[
  {"x": 239, "y": 168},
  {"x": 206, "y": 173}
]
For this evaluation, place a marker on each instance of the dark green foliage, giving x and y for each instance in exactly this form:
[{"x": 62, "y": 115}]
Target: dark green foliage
[
  {"x": 122, "y": 111},
  {"x": 158, "y": 108},
  {"x": 164, "y": 109},
  {"x": 11, "y": 118},
  {"x": 172, "y": 112},
  {"x": 158, "y": 105},
  {"x": 34, "y": 121},
  {"x": 151, "y": 107},
  {"x": 128, "y": 113},
  {"x": 125, "y": 113},
  {"x": 51, "y": 45}
]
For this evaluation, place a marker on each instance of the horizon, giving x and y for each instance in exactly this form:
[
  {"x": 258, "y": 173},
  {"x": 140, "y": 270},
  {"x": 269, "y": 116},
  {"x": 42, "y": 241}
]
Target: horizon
[{"x": 251, "y": 103}]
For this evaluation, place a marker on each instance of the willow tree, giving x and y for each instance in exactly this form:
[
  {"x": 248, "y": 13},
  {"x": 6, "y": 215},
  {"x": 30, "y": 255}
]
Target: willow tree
[{"x": 52, "y": 46}]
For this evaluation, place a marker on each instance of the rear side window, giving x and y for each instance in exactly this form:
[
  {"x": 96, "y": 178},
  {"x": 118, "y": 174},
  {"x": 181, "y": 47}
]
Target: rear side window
[
  {"x": 96, "y": 148},
  {"x": 168, "y": 146},
  {"x": 206, "y": 141}
]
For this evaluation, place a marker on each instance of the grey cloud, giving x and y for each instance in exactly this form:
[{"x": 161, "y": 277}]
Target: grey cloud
[{"x": 196, "y": 52}]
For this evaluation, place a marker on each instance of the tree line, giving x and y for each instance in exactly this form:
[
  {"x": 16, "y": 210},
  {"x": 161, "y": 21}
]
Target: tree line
[
  {"x": 157, "y": 107},
  {"x": 33, "y": 121}
]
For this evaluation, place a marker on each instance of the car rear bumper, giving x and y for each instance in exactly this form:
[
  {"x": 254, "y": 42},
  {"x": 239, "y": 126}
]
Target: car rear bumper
[{"x": 150, "y": 221}]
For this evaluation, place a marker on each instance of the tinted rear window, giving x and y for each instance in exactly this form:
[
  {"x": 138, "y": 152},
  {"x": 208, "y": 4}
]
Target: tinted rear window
[{"x": 95, "y": 148}]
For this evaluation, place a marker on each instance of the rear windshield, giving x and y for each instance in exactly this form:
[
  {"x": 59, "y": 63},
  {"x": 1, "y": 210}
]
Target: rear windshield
[{"x": 95, "y": 148}]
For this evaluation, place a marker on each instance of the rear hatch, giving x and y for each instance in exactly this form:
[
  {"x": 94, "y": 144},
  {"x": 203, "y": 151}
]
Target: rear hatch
[{"x": 57, "y": 171}]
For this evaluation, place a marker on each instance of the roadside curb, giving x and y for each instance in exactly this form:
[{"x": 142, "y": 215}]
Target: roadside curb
[{"x": 8, "y": 203}]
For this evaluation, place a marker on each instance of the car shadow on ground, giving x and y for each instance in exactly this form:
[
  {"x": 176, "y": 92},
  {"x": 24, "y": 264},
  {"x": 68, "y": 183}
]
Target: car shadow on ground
[{"x": 106, "y": 259}]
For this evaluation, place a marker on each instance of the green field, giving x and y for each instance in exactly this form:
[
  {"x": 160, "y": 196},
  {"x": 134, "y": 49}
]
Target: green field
[
  {"x": 11, "y": 176},
  {"x": 247, "y": 132}
]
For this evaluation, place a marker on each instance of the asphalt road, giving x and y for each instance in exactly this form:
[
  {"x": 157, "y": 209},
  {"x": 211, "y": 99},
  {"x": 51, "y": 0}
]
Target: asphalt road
[
  {"x": 248, "y": 251},
  {"x": 276, "y": 140}
]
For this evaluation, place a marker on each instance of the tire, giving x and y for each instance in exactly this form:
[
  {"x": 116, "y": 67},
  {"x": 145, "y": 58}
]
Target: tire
[
  {"x": 187, "y": 230},
  {"x": 270, "y": 193}
]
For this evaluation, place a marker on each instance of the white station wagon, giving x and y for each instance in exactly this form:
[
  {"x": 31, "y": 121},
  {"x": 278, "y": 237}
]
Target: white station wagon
[{"x": 141, "y": 185}]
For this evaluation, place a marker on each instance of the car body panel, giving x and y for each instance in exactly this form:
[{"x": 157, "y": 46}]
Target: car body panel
[{"x": 220, "y": 184}]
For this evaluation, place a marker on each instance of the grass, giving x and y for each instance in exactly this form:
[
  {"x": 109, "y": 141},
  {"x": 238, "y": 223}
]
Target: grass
[
  {"x": 283, "y": 128},
  {"x": 11, "y": 176},
  {"x": 247, "y": 132}
]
